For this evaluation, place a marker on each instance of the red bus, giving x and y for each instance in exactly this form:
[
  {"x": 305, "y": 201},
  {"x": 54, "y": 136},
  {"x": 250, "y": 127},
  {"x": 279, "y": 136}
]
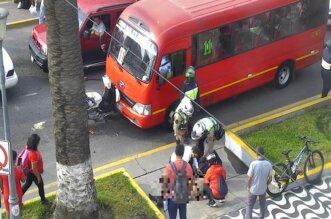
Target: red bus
[{"x": 235, "y": 46}]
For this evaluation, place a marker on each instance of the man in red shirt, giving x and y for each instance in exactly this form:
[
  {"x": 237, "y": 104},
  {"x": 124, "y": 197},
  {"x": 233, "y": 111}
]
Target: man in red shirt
[
  {"x": 19, "y": 177},
  {"x": 168, "y": 184},
  {"x": 212, "y": 179}
]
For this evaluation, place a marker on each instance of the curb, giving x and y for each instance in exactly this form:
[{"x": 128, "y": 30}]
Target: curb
[
  {"x": 279, "y": 114},
  {"x": 22, "y": 23},
  {"x": 137, "y": 187},
  {"x": 247, "y": 154}
]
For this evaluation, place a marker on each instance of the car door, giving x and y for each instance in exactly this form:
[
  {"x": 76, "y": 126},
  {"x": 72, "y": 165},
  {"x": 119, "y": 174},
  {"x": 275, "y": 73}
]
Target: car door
[{"x": 94, "y": 47}]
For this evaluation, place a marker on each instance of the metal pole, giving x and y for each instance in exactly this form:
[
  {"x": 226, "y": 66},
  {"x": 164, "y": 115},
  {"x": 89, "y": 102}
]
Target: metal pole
[{"x": 14, "y": 209}]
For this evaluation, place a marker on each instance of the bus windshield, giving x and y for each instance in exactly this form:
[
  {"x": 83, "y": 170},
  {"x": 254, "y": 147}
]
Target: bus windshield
[{"x": 134, "y": 51}]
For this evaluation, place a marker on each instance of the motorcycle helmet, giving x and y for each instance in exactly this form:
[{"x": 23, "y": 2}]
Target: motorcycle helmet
[
  {"x": 186, "y": 106},
  {"x": 190, "y": 72},
  {"x": 328, "y": 44},
  {"x": 198, "y": 130},
  {"x": 211, "y": 158}
]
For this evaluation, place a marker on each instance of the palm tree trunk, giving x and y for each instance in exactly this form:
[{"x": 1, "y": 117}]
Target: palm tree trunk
[{"x": 76, "y": 195}]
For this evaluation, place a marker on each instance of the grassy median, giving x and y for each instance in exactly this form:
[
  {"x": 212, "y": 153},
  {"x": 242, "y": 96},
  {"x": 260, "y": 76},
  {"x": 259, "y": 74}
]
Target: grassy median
[
  {"x": 315, "y": 124},
  {"x": 117, "y": 199}
]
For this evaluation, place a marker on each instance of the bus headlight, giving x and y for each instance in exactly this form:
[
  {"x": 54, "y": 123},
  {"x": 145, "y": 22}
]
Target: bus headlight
[{"x": 142, "y": 109}]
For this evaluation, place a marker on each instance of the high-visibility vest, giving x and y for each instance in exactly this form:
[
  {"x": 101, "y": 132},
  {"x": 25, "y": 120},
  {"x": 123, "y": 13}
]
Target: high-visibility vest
[
  {"x": 326, "y": 65},
  {"x": 209, "y": 123},
  {"x": 192, "y": 94}
]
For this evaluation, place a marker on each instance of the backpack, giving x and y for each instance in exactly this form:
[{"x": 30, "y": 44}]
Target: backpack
[
  {"x": 23, "y": 155},
  {"x": 222, "y": 187},
  {"x": 180, "y": 192},
  {"x": 219, "y": 131}
]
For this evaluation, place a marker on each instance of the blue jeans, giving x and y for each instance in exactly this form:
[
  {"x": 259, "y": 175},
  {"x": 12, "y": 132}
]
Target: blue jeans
[
  {"x": 173, "y": 208},
  {"x": 42, "y": 14}
]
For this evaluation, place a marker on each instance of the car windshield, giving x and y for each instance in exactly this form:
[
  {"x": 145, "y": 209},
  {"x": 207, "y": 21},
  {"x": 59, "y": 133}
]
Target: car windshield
[
  {"x": 81, "y": 17},
  {"x": 134, "y": 51}
]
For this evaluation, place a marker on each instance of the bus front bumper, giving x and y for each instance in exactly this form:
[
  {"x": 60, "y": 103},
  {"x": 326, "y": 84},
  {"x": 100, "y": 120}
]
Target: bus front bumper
[{"x": 141, "y": 121}]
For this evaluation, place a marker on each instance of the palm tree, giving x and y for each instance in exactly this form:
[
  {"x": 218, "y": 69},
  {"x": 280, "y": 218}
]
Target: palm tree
[{"x": 76, "y": 194}]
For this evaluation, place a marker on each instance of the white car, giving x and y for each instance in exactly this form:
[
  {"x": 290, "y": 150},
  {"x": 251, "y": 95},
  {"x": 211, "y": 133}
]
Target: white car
[{"x": 11, "y": 76}]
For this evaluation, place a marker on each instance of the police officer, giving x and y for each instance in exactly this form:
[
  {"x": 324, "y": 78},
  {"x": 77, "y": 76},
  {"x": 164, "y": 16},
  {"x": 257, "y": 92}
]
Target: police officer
[
  {"x": 326, "y": 68},
  {"x": 182, "y": 115},
  {"x": 206, "y": 131},
  {"x": 190, "y": 87}
]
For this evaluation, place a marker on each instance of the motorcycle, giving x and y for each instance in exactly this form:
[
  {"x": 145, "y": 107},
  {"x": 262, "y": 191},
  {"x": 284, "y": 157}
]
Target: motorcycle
[{"x": 101, "y": 108}]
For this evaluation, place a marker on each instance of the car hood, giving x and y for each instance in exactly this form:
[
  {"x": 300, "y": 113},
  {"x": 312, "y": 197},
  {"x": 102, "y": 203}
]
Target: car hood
[
  {"x": 39, "y": 32},
  {"x": 7, "y": 62}
]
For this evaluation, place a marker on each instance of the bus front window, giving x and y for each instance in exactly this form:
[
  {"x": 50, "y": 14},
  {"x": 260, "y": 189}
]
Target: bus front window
[{"x": 134, "y": 51}]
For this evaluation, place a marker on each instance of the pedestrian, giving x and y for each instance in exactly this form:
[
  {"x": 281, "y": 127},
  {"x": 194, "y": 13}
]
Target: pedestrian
[
  {"x": 178, "y": 182},
  {"x": 190, "y": 88},
  {"x": 258, "y": 178},
  {"x": 206, "y": 131},
  {"x": 326, "y": 68},
  {"x": 37, "y": 168},
  {"x": 191, "y": 156},
  {"x": 182, "y": 118},
  {"x": 24, "y": 4},
  {"x": 212, "y": 181},
  {"x": 19, "y": 177},
  {"x": 41, "y": 12}
]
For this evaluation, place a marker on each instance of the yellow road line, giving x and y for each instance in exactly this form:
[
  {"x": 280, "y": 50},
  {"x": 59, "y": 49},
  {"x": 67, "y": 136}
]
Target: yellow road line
[
  {"x": 22, "y": 23},
  {"x": 165, "y": 147},
  {"x": 282, "y": 113}
]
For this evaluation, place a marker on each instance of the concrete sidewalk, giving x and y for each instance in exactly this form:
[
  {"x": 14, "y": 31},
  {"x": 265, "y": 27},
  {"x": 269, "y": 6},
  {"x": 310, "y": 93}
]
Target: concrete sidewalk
[{"x": 18, "y": 16}]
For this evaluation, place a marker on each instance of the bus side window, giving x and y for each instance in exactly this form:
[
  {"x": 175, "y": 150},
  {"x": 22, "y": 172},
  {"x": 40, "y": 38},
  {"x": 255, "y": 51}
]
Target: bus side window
[
  {"x": 173, "y": 64},
  {"x": 178, "y": 60}
]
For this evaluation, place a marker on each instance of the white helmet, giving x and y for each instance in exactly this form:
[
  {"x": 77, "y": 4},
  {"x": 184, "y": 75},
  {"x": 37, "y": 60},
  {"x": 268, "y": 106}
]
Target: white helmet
[
  {"x": 186, "y": 106},
  {"x": 198, "y": 130}
]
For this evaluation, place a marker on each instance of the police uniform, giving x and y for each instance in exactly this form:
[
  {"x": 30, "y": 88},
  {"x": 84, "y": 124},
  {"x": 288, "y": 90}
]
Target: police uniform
[
  {"x": 326, "y": 69},
  {"x": 209, "y": 137},
  {"x": 190, "y": 89},
  {"x": 180, "y": 126}
]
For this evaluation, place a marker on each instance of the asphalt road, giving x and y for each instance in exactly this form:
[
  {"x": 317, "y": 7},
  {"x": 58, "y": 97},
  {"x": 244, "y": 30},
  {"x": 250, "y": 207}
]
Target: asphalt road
[{"x": 30, "y": 104}]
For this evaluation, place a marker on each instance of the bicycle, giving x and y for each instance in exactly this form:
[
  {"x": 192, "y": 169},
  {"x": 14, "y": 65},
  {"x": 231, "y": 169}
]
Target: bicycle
[{"x": 282, "y": 173}]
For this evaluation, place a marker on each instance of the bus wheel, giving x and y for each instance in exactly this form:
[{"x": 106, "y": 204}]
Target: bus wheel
[
  {"x": 283, "y": 75},
  {"x": 169, "y": 118}
]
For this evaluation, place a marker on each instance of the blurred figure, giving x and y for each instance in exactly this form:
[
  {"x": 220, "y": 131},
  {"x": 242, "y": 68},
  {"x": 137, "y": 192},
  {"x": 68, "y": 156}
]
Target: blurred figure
[
  {"x": 182, "y": 118},
  {"x": 258, "y": 177},
  {"x": 19, "y": 177},
  {"x": 205, "y": 132},
  {"x": 98, "y": 27},
  {"x": 212, "y": 180},
  {"x": 326, "y": 68}
]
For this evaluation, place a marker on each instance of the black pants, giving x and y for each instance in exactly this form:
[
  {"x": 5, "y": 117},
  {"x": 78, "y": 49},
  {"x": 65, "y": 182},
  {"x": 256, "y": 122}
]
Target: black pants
[
  {"x": 30, "y": 177},
  {"x": 326, "y": 76}
]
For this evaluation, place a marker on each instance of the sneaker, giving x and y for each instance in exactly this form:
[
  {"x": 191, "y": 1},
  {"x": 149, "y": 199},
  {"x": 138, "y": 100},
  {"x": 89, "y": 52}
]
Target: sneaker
[
  {"x": 19, "y": 6},
  {"x": 46, "y": 202},
  {"x": 222, "y": 200},
  {"x": 211, "y": 203}
]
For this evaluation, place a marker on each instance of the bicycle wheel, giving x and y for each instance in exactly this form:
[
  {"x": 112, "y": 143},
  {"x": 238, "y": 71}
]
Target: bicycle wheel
[
  {"x": 280, "y": 179},
  {"x": 313, "y": 168}
]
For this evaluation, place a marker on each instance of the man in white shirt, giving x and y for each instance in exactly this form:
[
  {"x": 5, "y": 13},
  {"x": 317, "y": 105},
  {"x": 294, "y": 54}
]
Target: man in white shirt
[
  {"x": 189, "y": 153},
  {"x": 98, "y": 27},
  {"x": 258, "y": 178}
]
